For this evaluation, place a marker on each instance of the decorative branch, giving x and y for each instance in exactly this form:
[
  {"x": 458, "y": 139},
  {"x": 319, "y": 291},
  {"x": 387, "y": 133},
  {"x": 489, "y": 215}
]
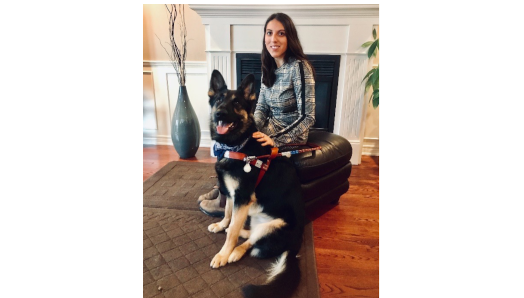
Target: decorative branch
[{"x": 177, "y": 55}]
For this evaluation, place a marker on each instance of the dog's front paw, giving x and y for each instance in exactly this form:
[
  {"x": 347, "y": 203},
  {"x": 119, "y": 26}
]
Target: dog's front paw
[
  {"x": 218, "y": 261},
  {"x": 237, "y": 254},
  {"x": 215, "y": 227}
]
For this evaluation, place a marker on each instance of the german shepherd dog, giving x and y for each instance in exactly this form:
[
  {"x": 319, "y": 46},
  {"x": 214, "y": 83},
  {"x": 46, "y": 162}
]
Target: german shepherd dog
[{"x": 275, "y": 206}]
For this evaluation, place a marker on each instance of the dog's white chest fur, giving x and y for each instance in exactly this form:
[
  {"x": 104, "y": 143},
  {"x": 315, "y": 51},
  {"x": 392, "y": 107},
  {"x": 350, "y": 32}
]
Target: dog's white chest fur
[
  {"x": 231, "y": 185},
  {"x": 257, "y": 216}
]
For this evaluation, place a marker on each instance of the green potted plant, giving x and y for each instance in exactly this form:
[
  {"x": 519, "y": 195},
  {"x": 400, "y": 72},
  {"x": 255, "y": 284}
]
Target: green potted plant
[{"x": 372, "y": 76}]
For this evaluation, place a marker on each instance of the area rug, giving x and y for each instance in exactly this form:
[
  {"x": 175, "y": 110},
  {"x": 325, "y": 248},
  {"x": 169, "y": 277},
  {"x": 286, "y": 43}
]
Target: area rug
[{"x": 178, "y": 247}]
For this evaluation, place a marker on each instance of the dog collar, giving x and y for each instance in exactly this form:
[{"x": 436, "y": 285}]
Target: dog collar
[{"x": 219, "y": 149}]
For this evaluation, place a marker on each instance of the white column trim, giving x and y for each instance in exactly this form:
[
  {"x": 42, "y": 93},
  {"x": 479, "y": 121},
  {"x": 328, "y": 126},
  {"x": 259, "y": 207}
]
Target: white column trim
[{"x": 221, "y": 61}]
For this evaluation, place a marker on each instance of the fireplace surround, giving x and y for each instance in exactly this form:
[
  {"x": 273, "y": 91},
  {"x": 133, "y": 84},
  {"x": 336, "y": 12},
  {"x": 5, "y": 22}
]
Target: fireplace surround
[{"x": 333, "y": 30}]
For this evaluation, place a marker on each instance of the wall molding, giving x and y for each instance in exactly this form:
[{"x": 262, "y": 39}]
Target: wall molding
[
  {"x": 151, "y": 138},
  {"x": 191, "y": 66}
]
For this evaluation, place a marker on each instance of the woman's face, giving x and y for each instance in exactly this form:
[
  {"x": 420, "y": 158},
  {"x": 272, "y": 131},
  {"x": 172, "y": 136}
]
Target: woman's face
[{"x": 276, "y": 40}]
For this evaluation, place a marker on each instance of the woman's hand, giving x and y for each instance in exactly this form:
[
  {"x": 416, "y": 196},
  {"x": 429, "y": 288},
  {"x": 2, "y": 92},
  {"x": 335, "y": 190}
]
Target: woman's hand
[{"x": 261, "y": 137}]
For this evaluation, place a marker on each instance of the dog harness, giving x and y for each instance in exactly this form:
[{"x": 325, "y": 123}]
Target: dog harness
[{"x": 255, "y": 160}]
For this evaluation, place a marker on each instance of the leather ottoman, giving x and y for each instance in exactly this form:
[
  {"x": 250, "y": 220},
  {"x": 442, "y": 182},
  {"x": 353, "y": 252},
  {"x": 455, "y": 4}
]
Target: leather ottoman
[{"x": 323, "y": 173}]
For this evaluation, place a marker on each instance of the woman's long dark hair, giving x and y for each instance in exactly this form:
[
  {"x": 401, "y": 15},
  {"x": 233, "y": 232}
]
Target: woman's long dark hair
[{"x": 294, "y": 49}]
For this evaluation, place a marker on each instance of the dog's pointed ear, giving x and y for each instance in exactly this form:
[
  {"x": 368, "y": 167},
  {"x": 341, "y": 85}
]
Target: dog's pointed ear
[
  {"x": 248, "y": 87},
  {"x": 216, "y": 83}
]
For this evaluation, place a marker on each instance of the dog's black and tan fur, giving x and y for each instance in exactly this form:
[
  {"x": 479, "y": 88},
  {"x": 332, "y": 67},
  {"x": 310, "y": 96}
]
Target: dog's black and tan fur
[{"x": 275, "y": 205}]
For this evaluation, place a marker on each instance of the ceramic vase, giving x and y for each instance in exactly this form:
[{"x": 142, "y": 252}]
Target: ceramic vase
[{"x": 185, "y": 129}]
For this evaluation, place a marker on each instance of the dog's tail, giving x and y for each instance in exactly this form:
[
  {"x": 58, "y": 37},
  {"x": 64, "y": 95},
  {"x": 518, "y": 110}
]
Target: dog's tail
[{"x": 282, "y": 281}]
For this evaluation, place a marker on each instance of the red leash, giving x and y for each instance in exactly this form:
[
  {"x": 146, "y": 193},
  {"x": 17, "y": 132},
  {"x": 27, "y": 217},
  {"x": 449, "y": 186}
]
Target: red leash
[{"x": 255, "y": 160}]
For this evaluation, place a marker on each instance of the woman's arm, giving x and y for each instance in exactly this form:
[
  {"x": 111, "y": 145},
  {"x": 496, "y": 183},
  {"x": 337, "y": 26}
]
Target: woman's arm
[
  {"x": 297, "y": 132},
  {"x": 262, "y": 109}
]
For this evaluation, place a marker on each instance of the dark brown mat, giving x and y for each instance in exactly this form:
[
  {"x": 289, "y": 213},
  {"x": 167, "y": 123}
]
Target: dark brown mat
[{"x": 178, "y": 247}]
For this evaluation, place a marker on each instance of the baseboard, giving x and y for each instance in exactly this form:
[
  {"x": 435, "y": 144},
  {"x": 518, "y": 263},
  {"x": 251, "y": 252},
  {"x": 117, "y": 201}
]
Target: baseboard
[{"x": 370, "y": 147}]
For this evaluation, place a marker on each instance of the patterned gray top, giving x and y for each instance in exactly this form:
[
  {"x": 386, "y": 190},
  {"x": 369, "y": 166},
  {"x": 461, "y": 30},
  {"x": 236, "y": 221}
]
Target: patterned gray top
[{"x": 280, "y": 112}]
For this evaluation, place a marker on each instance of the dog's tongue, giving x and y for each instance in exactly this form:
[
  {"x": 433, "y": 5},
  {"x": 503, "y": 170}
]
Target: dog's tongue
[{"x": 222, "y": 127}]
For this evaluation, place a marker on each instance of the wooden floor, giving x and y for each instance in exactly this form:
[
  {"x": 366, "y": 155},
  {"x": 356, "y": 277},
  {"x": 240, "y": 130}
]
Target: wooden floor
[{"x": 346, "y": 235}]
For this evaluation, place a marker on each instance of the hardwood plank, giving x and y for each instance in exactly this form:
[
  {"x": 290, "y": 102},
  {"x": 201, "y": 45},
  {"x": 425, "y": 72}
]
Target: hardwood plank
[{"x": 346, "y": 235}]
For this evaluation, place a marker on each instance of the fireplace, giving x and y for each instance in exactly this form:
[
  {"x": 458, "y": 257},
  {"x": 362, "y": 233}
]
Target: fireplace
[
  {"x": 326, "y": 83},
  {"x": 327, "y": 31}
]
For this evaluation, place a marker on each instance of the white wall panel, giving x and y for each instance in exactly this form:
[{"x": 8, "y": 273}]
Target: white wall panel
[
  {"x": 149, "y": 102},
  {"x": 166, "y": 87}
]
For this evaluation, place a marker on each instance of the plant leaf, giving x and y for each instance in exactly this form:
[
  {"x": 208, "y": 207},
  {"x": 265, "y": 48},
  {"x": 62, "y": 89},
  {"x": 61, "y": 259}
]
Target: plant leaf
[
  {"x": 367, "y": 44},
  {"x": 368, "y": 74},
  {"x": 372, "y": 48},
  {"x": 374, "y": 33},
  {"x": 368, "y": 84},
  {"x": 375, "y": 78},
  {"x": 375, "y": 102},
  {"x": 375, "y": 98}
]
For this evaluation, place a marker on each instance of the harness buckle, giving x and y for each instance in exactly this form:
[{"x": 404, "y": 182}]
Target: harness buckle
[{"x": 249, "y": 158}]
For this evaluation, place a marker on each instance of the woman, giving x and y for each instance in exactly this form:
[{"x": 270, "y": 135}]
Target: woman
[{"x": 281, "y": 116}]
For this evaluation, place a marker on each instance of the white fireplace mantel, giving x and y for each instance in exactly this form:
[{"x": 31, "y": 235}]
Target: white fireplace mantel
[
  {"x": 304, "y": 10},
  {"x": 323, "y": 29}
]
